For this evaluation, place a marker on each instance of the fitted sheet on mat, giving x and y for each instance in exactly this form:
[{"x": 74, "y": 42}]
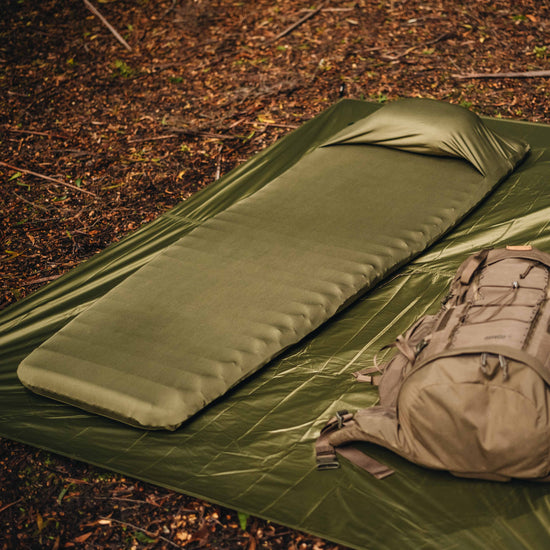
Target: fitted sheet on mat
[
  {"x": 253, "y": 450},
  {"x": 226, "y": 298}
]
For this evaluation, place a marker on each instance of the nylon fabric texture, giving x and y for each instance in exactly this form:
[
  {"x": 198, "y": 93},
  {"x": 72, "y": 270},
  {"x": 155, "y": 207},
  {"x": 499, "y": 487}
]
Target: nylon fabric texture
[{"x": 253, "y": 450}]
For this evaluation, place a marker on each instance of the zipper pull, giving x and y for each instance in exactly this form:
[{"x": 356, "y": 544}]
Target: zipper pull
[
  {"x": 489, "y": 365},
  {"x": 504, "y": 366}
]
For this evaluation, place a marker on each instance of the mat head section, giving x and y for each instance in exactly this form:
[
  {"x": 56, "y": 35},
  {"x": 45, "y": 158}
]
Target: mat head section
[{"x": 433, "y": 127}]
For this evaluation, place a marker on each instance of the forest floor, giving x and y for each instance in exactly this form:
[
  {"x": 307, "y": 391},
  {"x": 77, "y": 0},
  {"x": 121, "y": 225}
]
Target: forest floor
[{"x": 98, "y": 139}]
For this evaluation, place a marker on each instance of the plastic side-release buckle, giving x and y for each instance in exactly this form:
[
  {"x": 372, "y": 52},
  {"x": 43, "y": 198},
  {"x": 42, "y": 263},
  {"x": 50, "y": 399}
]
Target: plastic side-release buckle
[
  {"x": 327, "y": 462},
  {"x": 340, "y": 418}
]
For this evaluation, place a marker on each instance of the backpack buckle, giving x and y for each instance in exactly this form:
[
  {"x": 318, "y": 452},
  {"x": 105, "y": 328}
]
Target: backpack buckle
[
  {"x": 340, "y": 418},
  {"x": 327, "y": 462}
]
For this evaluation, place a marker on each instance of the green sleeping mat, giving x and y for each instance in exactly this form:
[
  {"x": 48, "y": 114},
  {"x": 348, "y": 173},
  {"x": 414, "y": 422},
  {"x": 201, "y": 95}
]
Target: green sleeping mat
[
  {"x": 225, "y": 299},
  {"x": 253, "y": 449}
]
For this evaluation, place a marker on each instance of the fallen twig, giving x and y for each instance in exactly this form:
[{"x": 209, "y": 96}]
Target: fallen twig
[
  {"x": 39, "y": 206},
  {"x": 35, "y": 133},
  {"x": 525, "y": 74},
  {"x": 115, "y": 33},
  {"x": 154, "y": 138},
  {"x": 38, "y": 281},
  {"x": 47, "y": 178},
  {"x": 281, "y": 125},
  {"x": 309, "y": 15},
  {"x": 148, "y": 533},
  {"x": 131, "y": 500},
  {"x": 202, "y": 133},
  {"x": 10, "y": 504},
  {"x": 329, "y": 9},
  {"x": 441, "y": 37},
  {"x": 219, "y": 163}
]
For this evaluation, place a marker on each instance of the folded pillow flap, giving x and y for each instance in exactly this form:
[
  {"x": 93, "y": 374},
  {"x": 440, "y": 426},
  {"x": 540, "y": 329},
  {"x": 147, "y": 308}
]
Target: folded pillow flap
[{"x": 432, "y": 127}]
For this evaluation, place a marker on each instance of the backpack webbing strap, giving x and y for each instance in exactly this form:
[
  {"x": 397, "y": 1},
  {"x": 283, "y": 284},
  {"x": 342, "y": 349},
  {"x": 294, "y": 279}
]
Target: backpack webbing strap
[
  {"x": 519, "y": 254},
  {"x": 371, "y": 375},
  {"x": 326, "y": 453},
  {"x": 496, "y": 349},
  {"x": 366, "y": 462},
  {"x": 472, "y": 264}
]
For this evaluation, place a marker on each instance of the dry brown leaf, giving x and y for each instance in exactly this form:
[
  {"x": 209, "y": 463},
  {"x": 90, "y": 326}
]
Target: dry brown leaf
[
  {"x": 251, "y": 542},
  {"x": 39, "y": 522},
  {"x": 84, "y": 537}
]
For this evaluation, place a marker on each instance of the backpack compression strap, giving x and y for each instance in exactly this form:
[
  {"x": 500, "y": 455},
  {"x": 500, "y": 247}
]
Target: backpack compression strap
[{"x": 326, "y": 453}]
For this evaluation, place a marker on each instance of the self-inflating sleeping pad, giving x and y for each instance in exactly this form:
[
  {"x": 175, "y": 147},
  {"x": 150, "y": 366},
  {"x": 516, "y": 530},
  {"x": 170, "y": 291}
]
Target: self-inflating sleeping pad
[{"x": 222, "y": 301}]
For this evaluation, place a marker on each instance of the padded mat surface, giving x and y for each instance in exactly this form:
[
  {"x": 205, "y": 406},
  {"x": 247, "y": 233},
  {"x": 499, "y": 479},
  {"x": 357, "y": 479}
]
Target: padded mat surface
[
  {"x": 256, "y": 278},
  {"x": 253, "y": 450}
]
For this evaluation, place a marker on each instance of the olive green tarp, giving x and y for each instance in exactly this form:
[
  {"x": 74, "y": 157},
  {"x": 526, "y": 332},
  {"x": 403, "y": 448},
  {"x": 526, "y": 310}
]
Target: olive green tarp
[{"x": 253, "y": 449}]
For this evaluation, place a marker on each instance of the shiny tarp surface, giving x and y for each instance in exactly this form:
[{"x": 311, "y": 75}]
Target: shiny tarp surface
[{"x": 252, "y": 450}]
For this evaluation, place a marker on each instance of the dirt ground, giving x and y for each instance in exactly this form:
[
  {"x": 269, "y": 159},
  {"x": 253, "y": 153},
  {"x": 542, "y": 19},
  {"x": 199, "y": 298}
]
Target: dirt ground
[{"x": 98, "y": 139}]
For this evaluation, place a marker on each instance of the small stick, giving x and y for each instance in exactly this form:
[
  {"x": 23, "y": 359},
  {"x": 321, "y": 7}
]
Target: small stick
[
  {"x": 148, "y": 533},
  {"x": 47, "y": 178},
  {"x": 309, "y": 15},
  {"x": 10, "y": 504},
  {"x": 281, "y": 125},
  {"x": 200, "y": 133},
  {"x": 38, "y": 281},
  {"x": 441, "y": 37},
  {"x": 44, "y": 209},
  {"x": 34, "y": 133},
  {"x": 115, "y": 33},
  {"x": 154, "y": 138},
  {"x": 133, "y": 501},
  {"x": 329, "y": 9},
  {"x": 219, "y": 163},
  {"x": 526, "y": 74}
]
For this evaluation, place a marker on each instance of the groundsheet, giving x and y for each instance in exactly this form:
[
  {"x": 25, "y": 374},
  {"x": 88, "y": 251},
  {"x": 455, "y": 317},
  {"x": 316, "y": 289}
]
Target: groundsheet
[{"x": 253, "y": 449}]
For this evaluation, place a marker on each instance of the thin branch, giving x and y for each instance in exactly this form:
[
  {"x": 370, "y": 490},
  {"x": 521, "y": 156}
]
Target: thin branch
[
  {"x": 115, "y": 33},
  {"x": 135, "y": 501},
  {"x": 131, "y": 500},
  {"x": 279, "y": 125},
  {"x": 10, "y": 505},
  {"x": 47, "y": 178},
  {"x": 329, "y": 9},
  {"x": 526, "y": 74},
  {"x": 200, "y": 133},
  {"x": 38, "y": 281},
  {"x": 441, "y": 37},
  {"x": 35, "y": 133},
  {"x": 148, "y": 533},
  {"x": 153, "y": 138},
  {"x": 219, "y": 163},
  {"x": 309, "y": 15},
  {"x": 40, "y": 207}
]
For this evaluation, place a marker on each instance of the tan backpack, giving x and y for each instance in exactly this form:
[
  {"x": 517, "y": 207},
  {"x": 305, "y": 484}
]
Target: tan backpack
[{"x": 467, "y": 390}]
